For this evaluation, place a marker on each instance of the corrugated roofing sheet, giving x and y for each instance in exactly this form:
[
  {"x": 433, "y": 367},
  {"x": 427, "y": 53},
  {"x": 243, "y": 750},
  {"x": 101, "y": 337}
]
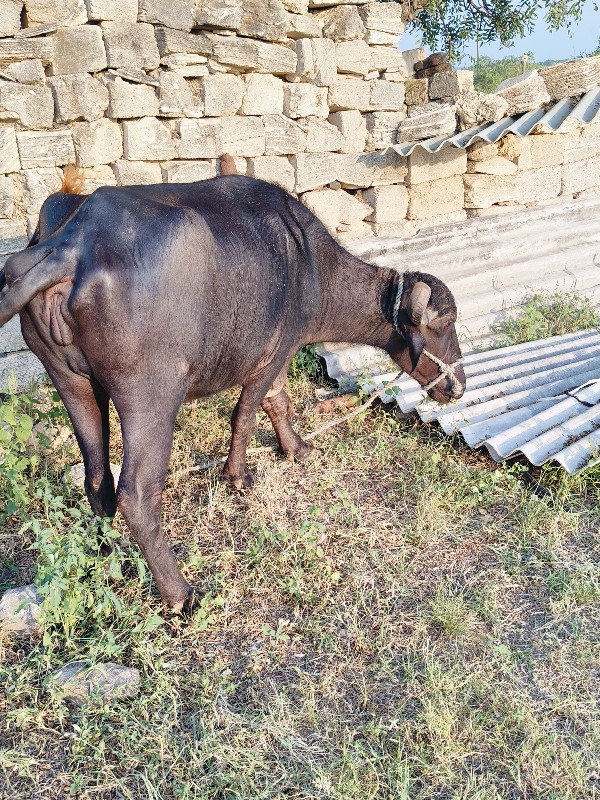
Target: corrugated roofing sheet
[
  {"x": 541, "y": 399},
  {"x": 564, "y": 116}
]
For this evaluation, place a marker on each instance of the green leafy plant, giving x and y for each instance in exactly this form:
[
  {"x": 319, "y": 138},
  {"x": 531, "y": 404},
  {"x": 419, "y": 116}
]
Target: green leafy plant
[
  {"x": 17, "y": 466},
  {"x": 306, "y": 362},
  {"x": 545, "y": 314}
]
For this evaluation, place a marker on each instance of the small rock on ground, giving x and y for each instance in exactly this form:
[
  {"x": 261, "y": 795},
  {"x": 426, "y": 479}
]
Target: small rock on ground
[
  {"x": 105, "y": 682},
  {"x": 25, "y": 621},
  {"x": 77, "y": 474}
]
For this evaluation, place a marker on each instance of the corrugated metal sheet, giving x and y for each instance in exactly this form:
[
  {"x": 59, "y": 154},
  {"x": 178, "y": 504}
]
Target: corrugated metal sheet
[
  {"x": 564, "y": 116},
  {"x": 541, "y": 399}
]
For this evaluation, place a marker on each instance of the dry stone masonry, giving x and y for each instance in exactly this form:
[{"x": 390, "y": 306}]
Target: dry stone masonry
[{"x": 303, "y": 93}]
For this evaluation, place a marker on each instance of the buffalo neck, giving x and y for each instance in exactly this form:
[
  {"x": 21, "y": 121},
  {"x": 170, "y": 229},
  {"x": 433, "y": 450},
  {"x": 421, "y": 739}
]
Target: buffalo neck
[{"x": 356, "y": 302}]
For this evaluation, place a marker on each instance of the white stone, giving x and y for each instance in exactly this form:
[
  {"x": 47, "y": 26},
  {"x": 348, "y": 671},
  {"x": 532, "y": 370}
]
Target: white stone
[
  {"x": 424, "y": 122},
  {"x": 112, "y": 10},
  {"x": 219, "y": 14},
  {"x": 242, "y": 136},
  {"x": 410, "y": 58},
  {"x": 31, "y": 71},
  {"x": 95, "y": 177},
  {"x": 264, "y": 19},
  {"x": 78, "y": 97},
  {"x": 65, "y": 12},
  {"x": 180, "y": 97},
  {"x": 283, "y": 136},
  {"x": 350, "y": 93},
  {"x": 76, "y": 474},
  {"x": 352, "y": 209},
  {"x": 130, "y": 100},
  {"x": 388, "y": 203},
  {"x": 10, "y": 17},
  {"x": 493, "y": 166},
  {"x": 436, "y": 198},
  {"x": 12, "y": 50},
  {"x": 387, "y": 58},
  {"x": 101, "y": 683},
  {"x": 426, "y": 167},
  {"x": 525, "y": 92},
  {"x": 97, "y": 143},
  {"x": 263, "y": 95},
  {"x": 9, "y": 152},
  {"x": 188, "y": 171},
  {"x": 296, "y": 6},
  {"x": 171, "y": 42},
  {"x": 304, "y": 100},
  {"x": 474, "y": 108},
  {"x": 7, "y": 192},
  {"x": 130, "y": 45},
  {"x": 301, "y": 26},
  {"x": 222, "y": 94},
  {"x": 78, "y": 50},
  {"x": 314, "y": 170},
  {"x": 31, "y": 106},
  {"x": 386, "y": 96},
  {"x": 381, "y": 38},
  {"x": 45, "y": 148},
  {"x": 175, "y": 14},
  {"x": 274, "y": 169},
  {"x": 147, "y": 139},
  {"x": 581, "y": 176},
  {"x": 342, "y": 24},
  {"x": 382, "y": 127},
  {"x": 325, "y": 204},
  {"x": 35, "y": 185},
  {"x": 385, "y": 17},
  {"x": 316, "y": 61},
  {"x": 199, "y": 138},
  {"x": 254, "y": 55},
  {"x": 353, "y": 128},
  {"x": 321, "y": 136},
  {"x": 353, "y": 57},
  {"x": 133, "y": 173},
  {"x": 25, "y": 620},
  {"x": 362, "y": 170}
]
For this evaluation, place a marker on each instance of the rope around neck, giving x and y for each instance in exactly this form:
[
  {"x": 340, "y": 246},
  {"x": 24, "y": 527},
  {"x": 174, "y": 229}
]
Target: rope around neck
[{"x": 397, "y": 304}]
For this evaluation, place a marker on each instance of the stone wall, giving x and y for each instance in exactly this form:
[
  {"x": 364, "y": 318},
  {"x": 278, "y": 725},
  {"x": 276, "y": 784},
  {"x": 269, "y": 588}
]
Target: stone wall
[{"x": 301, "y": 92}]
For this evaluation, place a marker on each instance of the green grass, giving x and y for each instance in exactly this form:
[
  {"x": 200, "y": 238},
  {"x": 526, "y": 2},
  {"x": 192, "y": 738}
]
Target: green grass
[
  {"x": 545, "y": 314},
  {"x": 398, "y": 618}
]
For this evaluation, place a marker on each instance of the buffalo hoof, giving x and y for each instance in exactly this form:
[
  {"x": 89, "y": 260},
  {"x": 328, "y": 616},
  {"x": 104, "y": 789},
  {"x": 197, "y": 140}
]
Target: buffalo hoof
[
  {"x": 241, "y": 482},
  {"x": 192, "y": 602},
  {"x": 301, "y": 452}
]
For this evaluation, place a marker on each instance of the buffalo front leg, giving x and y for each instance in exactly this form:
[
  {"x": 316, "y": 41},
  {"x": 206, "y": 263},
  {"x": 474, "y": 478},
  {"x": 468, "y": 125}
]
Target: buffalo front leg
[
  {"x": 279, "y": 409},
  {"x": 243, "y": 423},
  {"x": 147, "y": 441}
]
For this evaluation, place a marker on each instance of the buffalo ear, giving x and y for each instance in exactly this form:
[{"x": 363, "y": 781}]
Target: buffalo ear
[{"x": 417, "y": 304}]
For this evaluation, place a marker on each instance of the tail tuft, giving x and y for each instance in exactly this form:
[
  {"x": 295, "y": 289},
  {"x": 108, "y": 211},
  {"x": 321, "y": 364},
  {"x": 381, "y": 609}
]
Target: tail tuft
[{"x": 73, "y": 180}]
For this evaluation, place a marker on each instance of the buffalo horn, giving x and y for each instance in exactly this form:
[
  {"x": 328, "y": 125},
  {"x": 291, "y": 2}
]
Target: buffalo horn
[{"x": 418, "y": 302}]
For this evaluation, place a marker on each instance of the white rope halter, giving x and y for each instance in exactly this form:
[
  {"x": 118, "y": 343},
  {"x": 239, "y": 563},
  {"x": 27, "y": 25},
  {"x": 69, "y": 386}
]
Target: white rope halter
[{"x": 446, "y": 370}]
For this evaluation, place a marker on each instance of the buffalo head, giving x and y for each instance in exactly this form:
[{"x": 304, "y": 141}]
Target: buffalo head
[{"x": 424, "y": 316}]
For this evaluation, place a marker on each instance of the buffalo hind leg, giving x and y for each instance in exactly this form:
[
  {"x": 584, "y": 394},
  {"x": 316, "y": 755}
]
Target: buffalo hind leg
[
  {"x": 87, "y": 405},
  {"x": 147, "y": 441},
  {"x": 280, "y": 411}
]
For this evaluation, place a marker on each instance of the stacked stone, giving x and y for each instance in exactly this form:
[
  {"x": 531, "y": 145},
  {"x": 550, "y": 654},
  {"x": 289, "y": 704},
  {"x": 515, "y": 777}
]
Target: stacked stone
[
  {"x": 514, "y": 172},
  {"x": 303, "y": 93}
]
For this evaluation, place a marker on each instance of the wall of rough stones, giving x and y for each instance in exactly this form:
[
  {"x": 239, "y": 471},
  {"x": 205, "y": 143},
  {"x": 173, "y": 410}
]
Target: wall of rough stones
[
  {"x": 304, "y": 93},
  {"x": 300, "y": 92}
]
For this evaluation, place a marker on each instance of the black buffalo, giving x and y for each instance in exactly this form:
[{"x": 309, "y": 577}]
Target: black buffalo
[{"x": 152, "y": 295}]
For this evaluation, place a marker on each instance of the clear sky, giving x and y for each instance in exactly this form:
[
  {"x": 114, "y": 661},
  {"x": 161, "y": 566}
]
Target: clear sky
[{"x": 543, "y": 44}]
